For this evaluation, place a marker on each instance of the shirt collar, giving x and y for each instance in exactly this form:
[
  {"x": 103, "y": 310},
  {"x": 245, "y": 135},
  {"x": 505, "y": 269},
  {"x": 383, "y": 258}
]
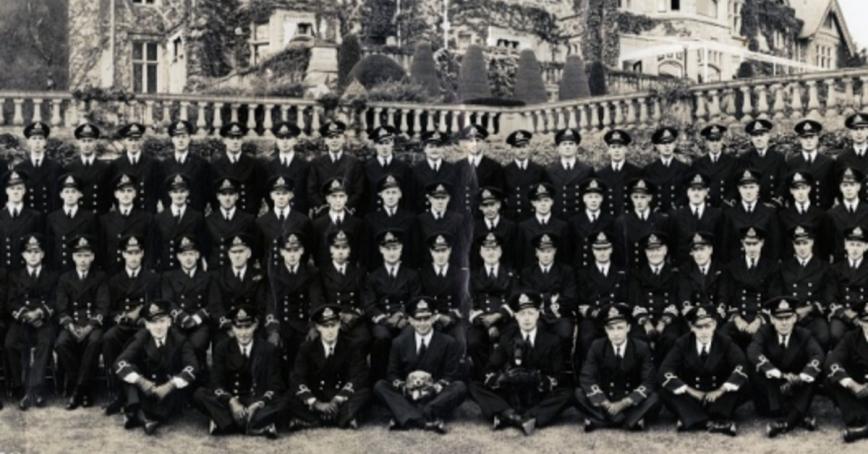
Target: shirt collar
[
  {"x": 708, "y": 345},
  {"x": 133, "y": 273},
  {"x": 426, "y": 338},
  {"x": 531, "y": 333},
  {"x": 35, "y": 270}
]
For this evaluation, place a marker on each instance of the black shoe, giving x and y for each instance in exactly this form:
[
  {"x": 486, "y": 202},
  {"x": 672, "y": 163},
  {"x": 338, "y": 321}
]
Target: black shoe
[
  {"x": 131, "y": 421},
  {"x": 776, "y": 428},
  {"x": 723, "y": 427},
  {"x": 639, "y": 426},
  {"x": 528, "y": 426},
  {"x": 589, "y": 426},
  {"x": 86, "y": 401},
  {"x": 497, "y": 423},
  {"x": 114, "y": 406},
  {"x": 270, "y": 432},
  {"x": 437, "y": 426},
  {"x": 809, "y": 423},
  {"x": 38, "y": 400},
  {"x": 353, "y": 424},
  {"x": 298, "y": 424},
  {"x": 26, "y": 402},
  {"x": 73, "y": 402},
  {"x": 855, "y": 433},
  {"x": 393, "y": 425},
  {"x": 1, "y": 404},
  {"x": 212, "y": 428},
  {"x": 151, "y": 426}
]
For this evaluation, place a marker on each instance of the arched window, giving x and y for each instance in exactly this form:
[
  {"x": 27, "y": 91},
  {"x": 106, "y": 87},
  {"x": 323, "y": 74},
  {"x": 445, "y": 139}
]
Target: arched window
[{"x": 671, "y": 68}]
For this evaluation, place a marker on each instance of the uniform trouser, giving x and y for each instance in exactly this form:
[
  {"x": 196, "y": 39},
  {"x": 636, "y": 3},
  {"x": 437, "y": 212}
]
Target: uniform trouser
[
  {"x": 218, "y": 410},
  {"x": 113, "y": 343},
  {"x": 480, "y": 344},
  {"x": 543, "y": 406},
  {"x": 741, "y": 338},
  {"x": 854, "y": 411},
  {"x": 20, "y": 340},
  {"x": 199, "y": 337},
  {"x": 458, "y": 331},
  {"x": 381, "y": 343},
  {"x": 648, "y": 408},
  {"x": 693, "y": 414},
  {"x": 406, "y": 412},
  {"x": 819, "y": 327},
  {"x": 347, "y": 411},
  {"x": 589, "y": 331},
  {"x": 769, "y": 400},
  {"x": 79, "y": 358},
  {"x": 153, "y": 408},
  {"x": 838, "y": 327}
]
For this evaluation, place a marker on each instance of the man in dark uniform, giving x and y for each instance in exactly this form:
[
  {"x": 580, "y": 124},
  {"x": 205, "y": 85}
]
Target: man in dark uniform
[
  {"x": 519, "y": 176},
  {"x": 703, "y": 376},
  {"x": 567, "y": 174},
  {"x": 93, "y": 173},
  {"x": 851, "y": 212},
  {"x": 343, "y": 284},
  {"x": 666, "y": 173},
  {"x": 245, "y": 169},
  {"x": 847, "y": 366},
  {"x": 445, "y": 286},
  {"x": 336, "y": 216},
  {"x": 336, "y": 163},
  {"x": 178, "y": 218},
  {"x": 245, "y": 381},
  {"x": 238, "y": 284},
  {"x": 809, "y": 160},
  {"x": 801, "y": 211},
  {"x": 809, "y": 279},
  {"x": 43, "y": 173},
  {"x": 32, "y": 291},
  {"x": 422, "y": 385},
  {"x": 598, "y": 284},
  {"x": 491, "y": 287},
  {"x": 16, "y": 220},
  {"x": 329, "y": 381},
  {"x": 159, "y": 368},
  {"x": 703, "y": 278},
  {"x": 389, "y": 215},
  {"x": 476, "y": 172},
  {"x": 787, "y": 360},
  {"x": 521, "y": 385},
  {"x": 653, "y": 295},
  {"x": 145, "y": 170},
  {"x": 637, "y": 223},
  {"x": 431, "y": 169},
  {"x": 388, "y": 289},
  {"x": 278, "y": 221},
  {"x": 590, "y": 220},
  {"x": 751, "y": 279},
  {"x": 66, "y": 222},
  {"x": 226, "y": 221},
  {"x": 385, "y": 163},
  {"x": 851, "y": 276},
  {"x": 490, "y": 204},
  {"x": 288, "y": 164},
  {"x": 750, "y": 210},
  {"x": 130, "y": 289},
  {"x": 617, "y": 378},
  {"x": 543, "y": 221},
  {"x": 439, "y": 218},
  {"x": 195, "y": 168},
  {"x": 295, "y": 291},
  {"x": 555, "y": 282},
  {"x": 82, "y": 311},
  {"x": 767, "y": 162},
  {"x": 127, "y": 219},
  {"x": 617, "y": 173},
  {"x": 694, "y": 216},
  {"x": 856, "y": 155},
  {"x": 188, "y": 288},
  {"x": 718, "y": 165}
]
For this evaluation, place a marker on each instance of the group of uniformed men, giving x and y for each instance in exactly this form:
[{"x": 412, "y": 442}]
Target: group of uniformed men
[{"x": 291, "y": 292}]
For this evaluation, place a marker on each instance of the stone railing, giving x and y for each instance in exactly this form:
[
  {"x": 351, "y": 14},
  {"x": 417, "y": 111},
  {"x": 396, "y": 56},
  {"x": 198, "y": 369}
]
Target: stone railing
[{"x": 825, "y": 95}]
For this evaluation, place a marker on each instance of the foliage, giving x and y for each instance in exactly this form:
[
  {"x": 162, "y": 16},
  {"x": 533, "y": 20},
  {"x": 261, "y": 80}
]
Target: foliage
[
  {"x": 214, "y": 35},
  {"x": 529, "y": 85},
  {"x": 477, "y": 14},
  {"x": 35, "y": 47},
  {"x": 502, "y": 73},
  {"x": 601, "y": 40},
  {"x": 765, "y": 17},
  {"x": 104, "y": 107},
  {"x": 376, "y": 69},
  {"x": 401, "y": 91},
  {"x": 349, "y": 54},
  {"x": 597, "y": 79},
  {"x": 448, "y": 68},
  {"x": 377, "y": 23},
  {"x": 495, "y": 102},
  {"x": 574, "y": 82},
  {"x": 473, "y": 78},
  {"x": 423, "y": 70},
  {"x": 635, "y": 24},
  {"x": 289, "y": 60}
]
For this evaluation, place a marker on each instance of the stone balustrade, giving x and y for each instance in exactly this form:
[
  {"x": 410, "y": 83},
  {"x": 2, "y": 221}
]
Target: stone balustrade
[{"x": 822, "y": 95}]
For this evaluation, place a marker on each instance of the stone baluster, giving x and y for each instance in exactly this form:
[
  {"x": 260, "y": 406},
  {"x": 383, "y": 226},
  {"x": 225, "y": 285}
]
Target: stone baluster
[
  {"x": 729, "y": 105},
  {"x": 183, "y": 114},
  {"x": 849, "y": 98},
  {"x": 217, "y": 122},
  {"x": 714, "y": 108},
  {"x": 3, "y": 115},
  {"x": 762, "y": 103},
  {"x": 813, "y": 100},
  {"x": 442, "y": 125},
  {"x": 618, "y": 118},
  {"x": 572, "y": 117},
  {"x": 18, "y": 112},
  {"x": 456, "y": 125},
  {"x": 251, "y": 117},
  {"x": 417, "y": 123},
  {"x": 701, "y": 113},
  {"x": 284, "y": 112},
  {"x": 779, "y": 105},
  {"x": 37, "y": 110},
  {"x": 299, "y": 119},
  {"x": 658, "y": 115},
  {"x": 201, "y": 122},
  {"x": 863, "y": 101},
  {"x": 607, "y": 115},
  {"x": 267, "y": 122},
  {"x": 584, "y": 124},
  {"x": 233, "y": 117},
  {"x": 631, "y": 112},
  {"x": 831, "y": 97},
  {"x": 377, "y": 112},
  {"x": 796, "y": 102},
  {"x": 56, "y": 118},
  {"x": 167, "y": 112},
  {"x": 148, "y": 116},
  {"x": 315, "y": 124},
  {"x": 563, "y": 121},
  {"x": 643, "y": 111},
  {"x": 746, "y": 104}
]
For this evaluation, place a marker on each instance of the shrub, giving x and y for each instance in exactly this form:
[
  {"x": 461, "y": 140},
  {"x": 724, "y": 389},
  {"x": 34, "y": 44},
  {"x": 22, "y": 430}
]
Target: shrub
[
  {"x": 473, "y": 78},
  {"x": 423, "y": 70},
  {"x": 597, "y": 79},
  {"x": 349, "y": 55},
  {"x": 376, "y": 69},
  {"x": 574, "y": 83},
  {"x": 529, "y": 85}
]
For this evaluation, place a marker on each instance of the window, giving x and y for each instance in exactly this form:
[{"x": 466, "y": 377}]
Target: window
[
  {"x": 145, "y": 67},
  {"x": 305, "y": 28},
  {"x": 507, "y": 43},
  {"x": 675, "y": 5},
  {"x": 177, "y": 49},
  {"x": 145, "y": 2},
  {"x": 830, "y": 22}
]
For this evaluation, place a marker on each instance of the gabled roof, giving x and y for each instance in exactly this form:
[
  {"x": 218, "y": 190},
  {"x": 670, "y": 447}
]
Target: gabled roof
[{"x": 814, "y": 12}]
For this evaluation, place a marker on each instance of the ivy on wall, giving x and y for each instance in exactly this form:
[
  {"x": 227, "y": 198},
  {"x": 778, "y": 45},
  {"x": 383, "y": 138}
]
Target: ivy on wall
[
  {"x": 479, "y": 14},
  {"x": 601, "y": 41},
  {"x": 765, "y": 17}
]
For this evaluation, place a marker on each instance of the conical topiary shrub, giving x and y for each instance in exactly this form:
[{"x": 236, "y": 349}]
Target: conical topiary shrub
[
  {"x": 574, "y": 83},
  {"x": 423, "y": 70},
  {"x": 529, "y": 86},
  {"x": 473, "y": 77},
  {"x": 349, "y": 54}
]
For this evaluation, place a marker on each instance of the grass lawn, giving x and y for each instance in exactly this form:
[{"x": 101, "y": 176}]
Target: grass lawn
[{"x": 55, "y": 430}]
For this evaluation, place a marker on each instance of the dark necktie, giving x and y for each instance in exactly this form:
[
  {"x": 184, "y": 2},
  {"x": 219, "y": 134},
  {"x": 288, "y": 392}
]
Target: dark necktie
[
  {"x": 422, "y": 349},
  {"x": 527, "y": 340},
  {"x": 703, "y": 353},
  {"x": 782, "y": 341}
]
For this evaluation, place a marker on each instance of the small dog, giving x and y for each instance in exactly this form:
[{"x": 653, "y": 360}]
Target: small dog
[{"x": 419, "y": 385}]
